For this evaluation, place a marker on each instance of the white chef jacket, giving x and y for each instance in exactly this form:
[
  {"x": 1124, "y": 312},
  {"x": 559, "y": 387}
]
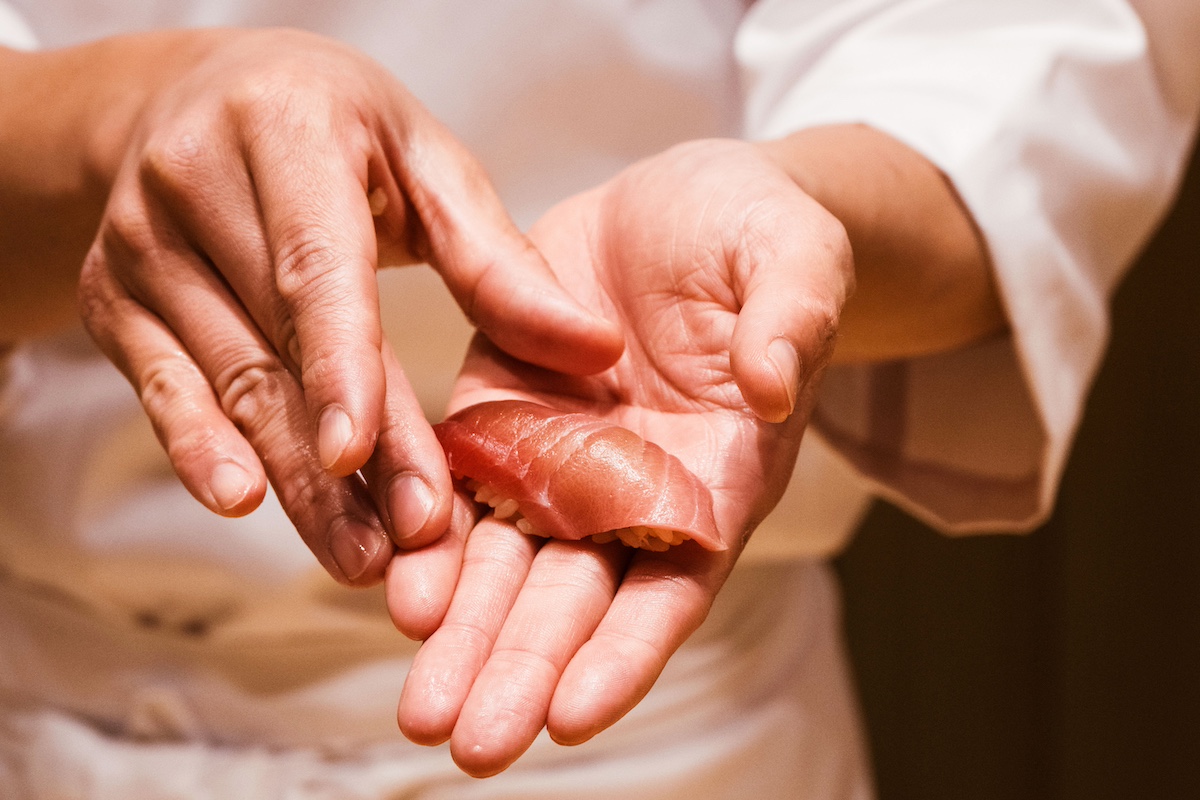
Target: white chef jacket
[{"x": 153, "y": 649}]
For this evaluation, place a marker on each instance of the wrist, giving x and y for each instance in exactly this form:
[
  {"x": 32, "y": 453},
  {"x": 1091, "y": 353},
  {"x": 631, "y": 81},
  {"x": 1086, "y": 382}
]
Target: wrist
[
  {"x": 923, "y": 276},
  {"x": 67, "y": 119}
]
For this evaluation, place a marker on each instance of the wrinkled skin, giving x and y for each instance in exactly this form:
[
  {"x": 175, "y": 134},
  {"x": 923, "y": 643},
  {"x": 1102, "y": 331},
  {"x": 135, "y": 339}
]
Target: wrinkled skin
[
  {"x": 258, "y": 178},
  {"x": 705, "y": 255}
]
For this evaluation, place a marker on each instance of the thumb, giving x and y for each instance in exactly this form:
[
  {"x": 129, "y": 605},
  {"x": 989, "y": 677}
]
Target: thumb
[{"x": 796, "y": 278}]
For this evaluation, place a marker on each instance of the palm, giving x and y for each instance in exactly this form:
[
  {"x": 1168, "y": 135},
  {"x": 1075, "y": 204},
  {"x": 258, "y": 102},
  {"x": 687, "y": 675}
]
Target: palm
[
  {"x": 675, "y": 287},
  {"x": 704, "y": 255}
]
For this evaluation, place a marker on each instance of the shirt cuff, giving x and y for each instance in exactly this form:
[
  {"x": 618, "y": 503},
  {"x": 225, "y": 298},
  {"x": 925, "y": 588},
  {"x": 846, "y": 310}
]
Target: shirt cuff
[{"x": 1026, "y": 108}]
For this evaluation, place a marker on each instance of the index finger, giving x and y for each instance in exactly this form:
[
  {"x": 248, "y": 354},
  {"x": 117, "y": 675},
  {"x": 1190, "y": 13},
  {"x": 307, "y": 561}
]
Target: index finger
[
  {"x": 497, "y": 276},
  {"x": 794, "y": 274},
  {"x": 311, "y": 182},
  {"x": 565, "y": 594}
]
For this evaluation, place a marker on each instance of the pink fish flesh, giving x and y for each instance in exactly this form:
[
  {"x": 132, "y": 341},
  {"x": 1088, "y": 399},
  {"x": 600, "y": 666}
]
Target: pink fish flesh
[{"x": 570, "y": 476}]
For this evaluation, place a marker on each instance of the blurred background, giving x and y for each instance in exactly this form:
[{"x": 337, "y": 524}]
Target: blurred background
[{"x": 1064, "y": 664}]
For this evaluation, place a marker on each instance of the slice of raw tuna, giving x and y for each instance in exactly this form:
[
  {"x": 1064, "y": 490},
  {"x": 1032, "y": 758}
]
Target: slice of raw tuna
[{"x": 570, "y": 476}]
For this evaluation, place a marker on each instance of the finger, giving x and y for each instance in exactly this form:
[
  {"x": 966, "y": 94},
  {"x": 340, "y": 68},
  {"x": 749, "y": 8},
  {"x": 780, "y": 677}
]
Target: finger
[
  {"x": 495, "y": 563},
  {"x": 257, "y": 393},
  {"x": 497, "y": 276},
  {"x": 796, "y": 273},
  {"x": 407, "y": 473},
  {"x": 421, "y": 582},
  {"x": 662, "y": 600},
  {"x": 566, "y": 594},
  {"x": 212, "y": 459},
  {"x": 320, "y": 233},
  {"x": 317, "y": 258}
]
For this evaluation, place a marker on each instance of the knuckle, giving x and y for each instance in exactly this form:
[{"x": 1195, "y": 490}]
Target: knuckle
[
  {"x": 266, "y": 103},
  {"x": 823, "y": 312},
  {"x": 307, "y": 273},
  {"x": 252, "y": 392},
  {"x": 300, "y": 259},
  {"x": 92, "y": 296},
  {"x": 273, "y": 107},
  {"x": 526, "y": 661},
  {"x": 164, "y": 389},
  {"x": 468, "y": 635},
  {"x": 127, "y": 230},
  {"x": 101, "y": 301},
  {"x": 302, "y": 497},
  {"x": 192, "y": 445},
  {"x": 173, "y": 393},
  {"x": 289, "y": 343},
  {"x": 322, "y": 365},
  {"x": 634, "y": 650},
  {"x": 823, "y": 319},
  {"x": 487, "y": 292},
  {"x": 172, "y": 161},
  {"x": 836, "y": 240},
  {"x": 562, "y": 579},
  {"x": 313, "y": 279}
]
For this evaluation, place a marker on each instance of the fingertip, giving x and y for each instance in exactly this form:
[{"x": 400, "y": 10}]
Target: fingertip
[
  {"x": 416, "y": 606},
  {"x": 503, "y": 713},
  {"x": 418, "y": 627},
  {"x": 480, "y": 759},
  {"x": 602, "y": 347},
  {"x": 589, "y": 700},
  {"x": 607, "y": 342},
  {"x": 341, "y": 444},
  {"x": 547, "y": 327},
  {"x": 421, "y": 737},
  {"x": 407, "y": 471},
  {"x": 769, "y": 377},
  {"x": 235, "y": 491},
  {"x": 359, "y": 551},
  {"x": 418, "y": 729},
  {"x": 786, "y": 361},
  {"x": 568, "y": 735},
  {"x": 433, "y": 694},
  {"x": 421, "y": 582},
  {"x": 417, "y": 517}
]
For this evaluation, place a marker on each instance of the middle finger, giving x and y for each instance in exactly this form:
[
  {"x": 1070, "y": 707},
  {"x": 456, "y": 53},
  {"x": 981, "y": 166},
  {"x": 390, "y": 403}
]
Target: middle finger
[
  {"x": 567, "y": 592},
  {"x": 334, "y": 516}
]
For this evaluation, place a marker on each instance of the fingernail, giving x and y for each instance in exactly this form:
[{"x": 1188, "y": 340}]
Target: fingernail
[
  {"x": 354, "y": 546},
  {"x": 229, "y": 485},
  {"x": 787, "y": 365},
  {"x": 410, "y": 502},
  {"x": 334, "y": 434}
]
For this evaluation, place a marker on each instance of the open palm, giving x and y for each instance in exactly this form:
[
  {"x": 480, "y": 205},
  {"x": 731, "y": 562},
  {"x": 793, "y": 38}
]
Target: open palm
[{"x": 727, "y": 282}]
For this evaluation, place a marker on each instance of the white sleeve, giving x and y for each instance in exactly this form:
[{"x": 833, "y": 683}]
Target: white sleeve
[
  {"x": 14, "y": 32},
  {"x": 1064, "y": 125}
]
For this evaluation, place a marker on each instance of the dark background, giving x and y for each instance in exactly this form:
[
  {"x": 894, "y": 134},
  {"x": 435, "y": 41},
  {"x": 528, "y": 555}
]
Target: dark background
[{"x": 1064, "y": 664}]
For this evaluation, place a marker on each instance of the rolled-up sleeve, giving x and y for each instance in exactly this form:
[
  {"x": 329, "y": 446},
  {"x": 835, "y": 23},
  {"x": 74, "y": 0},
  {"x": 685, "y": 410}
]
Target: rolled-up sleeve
[{"x": 1064, "y": 127}]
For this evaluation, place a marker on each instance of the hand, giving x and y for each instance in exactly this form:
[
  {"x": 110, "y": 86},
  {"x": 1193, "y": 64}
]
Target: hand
[
  {"x": 258, "y": 180},
  {"x": 727, "y": 282}
]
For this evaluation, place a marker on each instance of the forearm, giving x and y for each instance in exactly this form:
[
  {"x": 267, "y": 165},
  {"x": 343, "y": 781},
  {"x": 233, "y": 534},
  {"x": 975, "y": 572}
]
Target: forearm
[
  {"x": 923, "y": 279},
  {"x": 65, "y": 119}
]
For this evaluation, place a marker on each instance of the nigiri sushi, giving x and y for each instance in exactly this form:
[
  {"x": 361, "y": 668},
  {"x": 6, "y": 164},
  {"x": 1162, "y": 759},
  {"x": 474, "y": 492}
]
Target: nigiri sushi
[{"x": 570, "y": 476}]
